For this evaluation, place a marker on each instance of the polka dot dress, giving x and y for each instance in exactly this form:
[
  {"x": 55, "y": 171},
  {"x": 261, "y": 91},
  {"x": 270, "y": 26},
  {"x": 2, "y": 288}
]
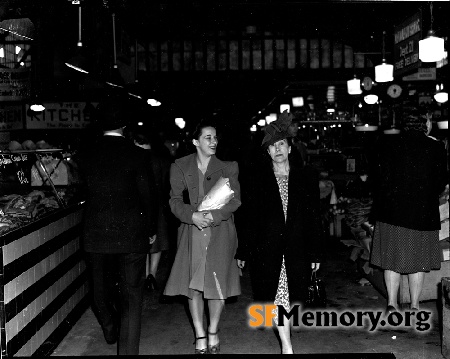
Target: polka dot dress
[
  {"x": 405, "y": 250},
  {"x": 282, "y": 296}
]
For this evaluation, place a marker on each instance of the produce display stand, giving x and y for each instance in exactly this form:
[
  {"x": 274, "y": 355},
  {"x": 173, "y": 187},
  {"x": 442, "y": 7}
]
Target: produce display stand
[{"x": 43, "y": 278}]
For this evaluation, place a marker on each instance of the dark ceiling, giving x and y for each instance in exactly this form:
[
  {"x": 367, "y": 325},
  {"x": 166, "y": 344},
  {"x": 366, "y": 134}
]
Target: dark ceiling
[{"x": 359, "y": 24}]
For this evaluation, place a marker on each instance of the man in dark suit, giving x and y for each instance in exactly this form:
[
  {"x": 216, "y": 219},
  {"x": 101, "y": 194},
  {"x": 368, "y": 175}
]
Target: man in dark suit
[{"x": 120, "y": 224}]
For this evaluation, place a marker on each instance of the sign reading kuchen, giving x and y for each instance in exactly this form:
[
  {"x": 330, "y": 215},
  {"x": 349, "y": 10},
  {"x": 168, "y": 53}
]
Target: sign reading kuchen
[
  {"x": 59, "y": 115},
  {"x": 406, "y": 44}
]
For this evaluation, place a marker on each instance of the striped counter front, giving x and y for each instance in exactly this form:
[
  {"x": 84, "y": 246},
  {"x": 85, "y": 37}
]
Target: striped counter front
[{"x": 43, "y": 283}]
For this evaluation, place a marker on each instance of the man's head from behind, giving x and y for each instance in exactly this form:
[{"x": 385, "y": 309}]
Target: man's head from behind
[{"x": 112, "y": 114}]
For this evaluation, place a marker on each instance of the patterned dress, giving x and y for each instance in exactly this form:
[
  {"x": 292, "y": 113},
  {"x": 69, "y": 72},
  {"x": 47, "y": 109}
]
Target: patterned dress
[{"x": 282, "y": 296}]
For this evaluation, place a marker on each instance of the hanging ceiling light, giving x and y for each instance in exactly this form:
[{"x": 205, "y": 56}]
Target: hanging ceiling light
[
  {"x": 384, "y": 72},
  {"x": 37, "y": 106},
  {"x": 441, "y": 95},
  {"x": 298, "y": 101},
  {"x": 284, "y": 107},
  {"x": 371, "y": 99},
  {"x": 431, "y": 49},
  {"x": 354, "y": 86},
  {"x": 366, "y": 128},
  {"x": 79, "y": 61}
]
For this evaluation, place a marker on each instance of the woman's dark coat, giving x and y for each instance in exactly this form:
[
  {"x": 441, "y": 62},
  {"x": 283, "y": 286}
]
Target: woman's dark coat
[
  {"x": 221, "y": 274},
  {"x": 411, "y": 173},
  {"x": 264, "y": 236}
]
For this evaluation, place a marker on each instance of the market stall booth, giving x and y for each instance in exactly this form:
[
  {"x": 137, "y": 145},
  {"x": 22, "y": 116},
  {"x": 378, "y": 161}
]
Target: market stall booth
[{"x": 43, "y": 278}]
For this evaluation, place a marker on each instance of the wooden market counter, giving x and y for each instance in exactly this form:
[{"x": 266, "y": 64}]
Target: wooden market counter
[{"x": 43, "y": 283}]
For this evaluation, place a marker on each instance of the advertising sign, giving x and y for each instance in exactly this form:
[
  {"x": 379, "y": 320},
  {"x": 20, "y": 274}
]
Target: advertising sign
[
  {"x": 59, "y": 115},
  {"x": 406, "y": 44},
  {"x": 14, "y": 84},
  {"x": 11, "y": 117}
]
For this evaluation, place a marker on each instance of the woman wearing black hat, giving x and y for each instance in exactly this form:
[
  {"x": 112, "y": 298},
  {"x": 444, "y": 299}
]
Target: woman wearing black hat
[
  {"x": 282, "y": 235},
  {"x": 411, "y": 174}
]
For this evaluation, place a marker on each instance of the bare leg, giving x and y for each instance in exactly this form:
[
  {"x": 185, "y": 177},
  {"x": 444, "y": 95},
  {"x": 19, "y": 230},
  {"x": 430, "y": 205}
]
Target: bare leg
[
  {"x": 392, "y": 280},
  {"x": 196, "y": 309},
  {"x": 415, "y": 287},
  {"x": 155, "y": 257},
  {"x": 147, "y": 266},
  {"x": 215, "y": 310},
  {"x": 285, "y": 337}
]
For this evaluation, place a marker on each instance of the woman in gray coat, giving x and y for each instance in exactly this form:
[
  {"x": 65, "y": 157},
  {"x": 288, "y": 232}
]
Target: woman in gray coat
[{"x": 204, "y": 266}]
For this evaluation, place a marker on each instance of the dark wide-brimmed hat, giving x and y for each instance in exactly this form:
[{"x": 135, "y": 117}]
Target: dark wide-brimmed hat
[
  {"x": 111, "y": 114},
  {"x": 277, "y": 130}
]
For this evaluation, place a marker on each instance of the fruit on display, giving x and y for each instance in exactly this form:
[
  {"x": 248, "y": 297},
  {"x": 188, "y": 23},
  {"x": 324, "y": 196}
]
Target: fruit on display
[{"x": 15, "y": 146}]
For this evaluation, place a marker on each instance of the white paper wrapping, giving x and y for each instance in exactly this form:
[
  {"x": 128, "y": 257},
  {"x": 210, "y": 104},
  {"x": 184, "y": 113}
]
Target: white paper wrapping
[{"x": 219, "y": 195}]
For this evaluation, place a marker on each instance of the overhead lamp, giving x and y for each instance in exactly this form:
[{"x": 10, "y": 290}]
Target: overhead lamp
[
  {"x": 366, "y": 128},
  {"x": 431, "y": 49},
  {"x": 384, "y": 72},
  {"x": 37, "y": 106},
  {"x": 140, "y": 123},
  {"x": 354, "y": 86},
  {"x": 79, "y": 61},
  {"x": 443, "y": 125},
  {"x": 284, "y": 107},
  {"x": 153, "y": 102},
  {"x": 371, "y": 99},
  {"x": 270, "y": 118},
  {"x": 179, "y": 121},
  {"x": 441, "y": 96},
  {"x": 261, "y": 122},
  {"x": 253, "y": 128},
  {"x": 298, "y": 101}
]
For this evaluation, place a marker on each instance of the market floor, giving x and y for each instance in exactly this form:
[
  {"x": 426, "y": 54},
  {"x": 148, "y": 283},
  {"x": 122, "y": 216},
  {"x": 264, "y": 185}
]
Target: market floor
[{"x": 166, "y": 329}]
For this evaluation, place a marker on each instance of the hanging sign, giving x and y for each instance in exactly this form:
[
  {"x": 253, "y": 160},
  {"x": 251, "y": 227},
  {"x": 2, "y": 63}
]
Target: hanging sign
[
  {"x": 11, "y": 117},
  {"x": 423, "y": 74},
  {"x": 406, "y": 44},
  {"x": 59, "y": 115},
  {"x": 14, "y": 84}
]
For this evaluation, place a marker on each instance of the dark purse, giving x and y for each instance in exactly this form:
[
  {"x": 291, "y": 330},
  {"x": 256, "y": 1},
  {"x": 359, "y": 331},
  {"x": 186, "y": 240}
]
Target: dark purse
[{"x": 316, "y": 297}]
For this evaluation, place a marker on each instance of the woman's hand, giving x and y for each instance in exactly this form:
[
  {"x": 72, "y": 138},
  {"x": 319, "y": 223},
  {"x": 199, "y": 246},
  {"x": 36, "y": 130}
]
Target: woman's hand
[
  {"x": 152, "y": 239},
  {"x": 200, "y": 220},
  {"x": 240, "y": 263},
  {"x": 315, "y": 266}
]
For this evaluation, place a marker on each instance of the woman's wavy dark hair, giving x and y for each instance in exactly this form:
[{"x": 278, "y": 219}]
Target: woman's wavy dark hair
[
  {"x": 206, "y": 122},
  {"x": 414, "y": 118}
]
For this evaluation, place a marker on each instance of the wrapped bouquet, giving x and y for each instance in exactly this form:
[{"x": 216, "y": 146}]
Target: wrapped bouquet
[{"x": 219, "y": 195}]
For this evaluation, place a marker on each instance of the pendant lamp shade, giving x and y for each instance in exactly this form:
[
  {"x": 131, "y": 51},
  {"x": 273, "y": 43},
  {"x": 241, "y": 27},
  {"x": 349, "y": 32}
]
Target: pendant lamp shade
[
  {"x": 431, "y": 49},
  {"x": 384, "y": 72},
  {"x": 370, "y": 99},
  {"x": 354, "y": 86},
  {"x": 441, "y": 97}
]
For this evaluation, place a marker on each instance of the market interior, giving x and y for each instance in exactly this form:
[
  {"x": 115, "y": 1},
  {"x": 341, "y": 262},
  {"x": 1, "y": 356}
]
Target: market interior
[{"x": 241, "y": 63}]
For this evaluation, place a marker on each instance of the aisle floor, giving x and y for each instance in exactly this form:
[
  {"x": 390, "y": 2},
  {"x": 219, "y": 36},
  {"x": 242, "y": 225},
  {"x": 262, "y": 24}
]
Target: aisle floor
[{"x": 166, "y": 328}]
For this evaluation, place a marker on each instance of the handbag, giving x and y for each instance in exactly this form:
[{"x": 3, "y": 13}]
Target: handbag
[{"x": 316, "y": 296}]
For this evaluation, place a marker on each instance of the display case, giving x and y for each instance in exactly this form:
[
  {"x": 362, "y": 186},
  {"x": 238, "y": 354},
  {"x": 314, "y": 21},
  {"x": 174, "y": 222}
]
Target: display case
[{"x": 43, "y": 277}]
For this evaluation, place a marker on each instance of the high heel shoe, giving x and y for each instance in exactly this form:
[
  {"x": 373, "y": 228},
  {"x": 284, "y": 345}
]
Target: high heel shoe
[
  {"x": 150, "y": 283},
  {"x": 214, "y": 349},
  {"x": 201, "y": 351}
]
